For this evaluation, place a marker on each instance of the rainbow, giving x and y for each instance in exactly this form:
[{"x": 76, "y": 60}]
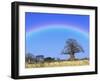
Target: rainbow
[{"x": 39, "y": 29}]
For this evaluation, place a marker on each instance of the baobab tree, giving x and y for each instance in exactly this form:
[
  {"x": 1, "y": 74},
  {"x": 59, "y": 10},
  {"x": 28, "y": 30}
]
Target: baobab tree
[{"x": 71, "y": 48}]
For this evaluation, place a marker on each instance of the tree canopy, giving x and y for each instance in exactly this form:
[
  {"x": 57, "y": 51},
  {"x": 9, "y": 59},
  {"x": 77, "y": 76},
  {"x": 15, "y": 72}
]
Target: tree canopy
[{"x": 71, "y": 47}]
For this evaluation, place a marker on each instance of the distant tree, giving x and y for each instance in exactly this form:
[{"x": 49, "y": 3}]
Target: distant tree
[
  {"x": 29, "y": 58},
  {"x": 49, "y": 59},
  {"x": 58, "y": 59},
  {"x": 40, "y": 58},
  {"x": 71, "y": 48}
]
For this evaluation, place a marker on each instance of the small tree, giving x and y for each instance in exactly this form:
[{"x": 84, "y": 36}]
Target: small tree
[
  {"x": 71, "y": 48},
  {"x": 49, "y": 59},
  {"x": 29, "y": 58}
]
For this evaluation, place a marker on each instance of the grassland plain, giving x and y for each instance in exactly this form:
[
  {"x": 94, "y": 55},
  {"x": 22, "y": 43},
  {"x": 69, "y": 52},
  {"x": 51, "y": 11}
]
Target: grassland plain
[{"x": 57, "y": 64}]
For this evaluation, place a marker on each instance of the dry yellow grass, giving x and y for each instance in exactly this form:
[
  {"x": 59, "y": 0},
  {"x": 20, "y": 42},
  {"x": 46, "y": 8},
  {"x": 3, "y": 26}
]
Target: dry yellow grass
[{"x": 55, "y": 64}]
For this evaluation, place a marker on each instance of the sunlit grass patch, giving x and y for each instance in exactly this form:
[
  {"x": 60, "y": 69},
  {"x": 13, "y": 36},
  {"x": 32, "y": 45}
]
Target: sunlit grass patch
[{"x": 58, "y": 64}]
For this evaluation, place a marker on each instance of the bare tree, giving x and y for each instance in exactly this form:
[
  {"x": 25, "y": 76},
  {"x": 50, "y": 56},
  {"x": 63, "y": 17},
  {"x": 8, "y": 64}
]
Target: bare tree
[
  {"x": 29, "y": 58},
  {"x": 71, "y": 48}
]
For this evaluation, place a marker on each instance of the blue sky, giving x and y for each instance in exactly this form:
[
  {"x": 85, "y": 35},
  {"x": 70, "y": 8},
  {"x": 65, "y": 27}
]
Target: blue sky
[{"x": 46, "y": 34}]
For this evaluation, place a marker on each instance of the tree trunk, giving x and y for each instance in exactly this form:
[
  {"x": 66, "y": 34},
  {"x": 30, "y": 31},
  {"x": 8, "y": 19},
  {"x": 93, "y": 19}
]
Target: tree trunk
[{"x": 72, "y": 56}]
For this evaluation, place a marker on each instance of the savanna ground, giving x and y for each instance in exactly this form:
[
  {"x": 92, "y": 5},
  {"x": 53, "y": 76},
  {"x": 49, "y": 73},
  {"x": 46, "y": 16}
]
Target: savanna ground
[{"x": 58, "y": 64}]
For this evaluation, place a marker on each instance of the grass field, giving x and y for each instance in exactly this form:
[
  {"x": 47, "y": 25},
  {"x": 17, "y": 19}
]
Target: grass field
[{"x": 58, "y": 64}]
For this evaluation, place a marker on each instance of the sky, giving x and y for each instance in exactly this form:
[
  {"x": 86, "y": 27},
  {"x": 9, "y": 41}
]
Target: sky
[{"x": 47, "y": 33}]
